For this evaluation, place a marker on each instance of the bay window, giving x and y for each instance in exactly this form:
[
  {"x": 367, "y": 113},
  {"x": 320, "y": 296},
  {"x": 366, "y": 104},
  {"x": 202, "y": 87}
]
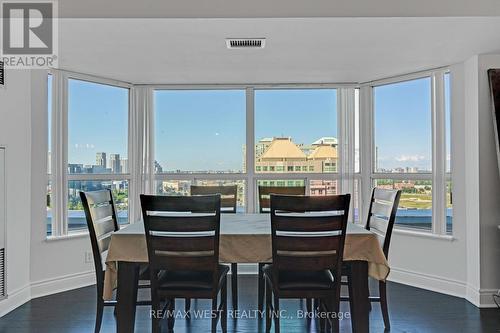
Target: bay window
[{"x": 330, "y": 139}]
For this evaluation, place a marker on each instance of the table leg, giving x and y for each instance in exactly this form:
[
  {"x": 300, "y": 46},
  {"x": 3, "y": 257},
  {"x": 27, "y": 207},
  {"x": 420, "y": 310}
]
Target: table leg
[
  {"x": 359, "y": 296},
  {"x": 126, "y": 296}
]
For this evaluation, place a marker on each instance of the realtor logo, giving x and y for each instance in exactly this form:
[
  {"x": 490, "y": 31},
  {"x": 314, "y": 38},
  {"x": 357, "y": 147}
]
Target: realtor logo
[{"x": 28, "y": 34}]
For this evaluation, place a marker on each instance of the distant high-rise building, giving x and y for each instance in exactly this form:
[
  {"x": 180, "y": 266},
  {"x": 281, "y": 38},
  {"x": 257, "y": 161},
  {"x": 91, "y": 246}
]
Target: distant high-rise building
[
  {"x": 158, "y": 168},
  {"x": 100, "y": 159},
  {"x": 114, "y": 163},
  {"x": 124, "y": 165}
]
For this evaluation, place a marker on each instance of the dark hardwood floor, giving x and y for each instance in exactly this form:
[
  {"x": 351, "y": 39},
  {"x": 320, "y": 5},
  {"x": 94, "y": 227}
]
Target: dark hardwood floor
[{"x": 411, "y": 310}]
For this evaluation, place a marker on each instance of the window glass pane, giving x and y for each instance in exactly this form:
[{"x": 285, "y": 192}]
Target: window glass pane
[
  {"x": 97, "y": 128},
  {"x": 447, "y": 99},
  {"x": 173, "y": 187},
  {"x": 200, "y": 131},
  {"x": 323, "y": 187},
  {"x": 278, "y": 182},
  {"x": 240, "y": 200},
  {"x": 449, "y": 207},
  {"x": 415, "y": 205},
  {"x": 76, "y": 215},
  {"x": 403, "y": 127},
  {"x": 296, "y": 131}
]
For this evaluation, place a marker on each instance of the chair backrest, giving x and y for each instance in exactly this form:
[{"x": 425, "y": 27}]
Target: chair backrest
[
  {"x": 382, "y": 215},
  {"x": 101, "y": 221},
  {"x": 182, "y": 232},
  {"x": 266, "y": 191},
  {"x": 229, "y": 195},
  {"x": 308, "y": 232}
]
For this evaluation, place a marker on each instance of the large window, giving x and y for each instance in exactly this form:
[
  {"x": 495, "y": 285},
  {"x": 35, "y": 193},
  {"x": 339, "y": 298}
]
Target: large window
[
  {"x": 97, "y": 145},
  {"x": 403, "y": 152},
  {"x": 92, "y": 126}
]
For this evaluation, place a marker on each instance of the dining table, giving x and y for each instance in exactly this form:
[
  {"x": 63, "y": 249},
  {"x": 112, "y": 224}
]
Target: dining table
[{"x": 244, "y": 238}]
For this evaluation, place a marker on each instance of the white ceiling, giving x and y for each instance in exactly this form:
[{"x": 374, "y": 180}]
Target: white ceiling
[{"x": 317, "y": 50}]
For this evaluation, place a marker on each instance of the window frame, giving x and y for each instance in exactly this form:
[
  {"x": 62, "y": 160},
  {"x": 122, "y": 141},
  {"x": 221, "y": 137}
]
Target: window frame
[
  {"x": 438, "y": 174},
  {"x": 60, "y": 177}
]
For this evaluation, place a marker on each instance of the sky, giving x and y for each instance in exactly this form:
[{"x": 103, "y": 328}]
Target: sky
[
  {"x": 205, "y": 129},
  {"x": 97, "y": 121},
  {"x": 403, "y": 124}
]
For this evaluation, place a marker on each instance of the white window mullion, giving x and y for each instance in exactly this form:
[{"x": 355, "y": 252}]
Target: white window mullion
[
  {"x": 135, "y": 150},
  {"x": 148, "y": 158},
  {"x": 345, "y": 107},
  {"x": 59, "y": 153},
  {"x": 438, "y": 154},
  {"x": 366, "y": 148},
  {"x": 251, "y": 187}
]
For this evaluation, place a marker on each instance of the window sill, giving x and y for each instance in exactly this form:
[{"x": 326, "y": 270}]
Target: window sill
[
  {"x": 424, "y": 234},
  {"x": 74, "y": 234},
  {"x": 71, "y": 235}
]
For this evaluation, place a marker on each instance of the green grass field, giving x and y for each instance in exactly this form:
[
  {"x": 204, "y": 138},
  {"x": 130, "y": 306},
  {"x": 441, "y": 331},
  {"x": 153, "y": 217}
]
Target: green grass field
[{"x": 419, "y": 201}]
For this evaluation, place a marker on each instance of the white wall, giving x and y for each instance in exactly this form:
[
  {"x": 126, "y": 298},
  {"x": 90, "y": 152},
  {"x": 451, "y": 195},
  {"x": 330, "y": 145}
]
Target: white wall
[{"x": 15, "y": 134}]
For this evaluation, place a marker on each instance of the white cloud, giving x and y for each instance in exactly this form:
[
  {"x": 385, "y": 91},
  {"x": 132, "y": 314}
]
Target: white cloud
[{"x": 410, "y": 158}]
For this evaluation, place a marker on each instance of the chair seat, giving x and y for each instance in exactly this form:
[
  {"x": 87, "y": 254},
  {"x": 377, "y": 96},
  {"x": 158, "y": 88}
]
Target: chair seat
[
  {"x": 192, "y": 280},
  {"x": 301, "y": 280}
]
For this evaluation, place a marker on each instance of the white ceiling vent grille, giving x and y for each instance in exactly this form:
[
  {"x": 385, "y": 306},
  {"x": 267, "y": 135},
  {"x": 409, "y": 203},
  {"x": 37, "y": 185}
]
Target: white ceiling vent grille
[{"x": 245, "y": 43}]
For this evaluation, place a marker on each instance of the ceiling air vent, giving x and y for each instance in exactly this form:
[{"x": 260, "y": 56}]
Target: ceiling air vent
[
  {"x": 245, "y": 43},
  {"x": 2, "y": 74}
]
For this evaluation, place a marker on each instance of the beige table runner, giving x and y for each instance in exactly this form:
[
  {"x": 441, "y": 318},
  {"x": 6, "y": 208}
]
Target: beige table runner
[{"x": 244, "y": 238}]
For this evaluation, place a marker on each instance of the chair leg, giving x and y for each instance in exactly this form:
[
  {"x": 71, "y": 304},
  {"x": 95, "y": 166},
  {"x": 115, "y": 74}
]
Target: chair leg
[
  {"x": 171, "y": 314},
  {"x": 261, "y": 287},
  {"x": 269, "y": 311},
  {"x": 234, "y": 285},
  {"x": 187, "y": 304},
  {"x": 276, "y": 314},
  {"x": 224, "y": 307},
  {"x": 333, "y": 306},
  {"x": 155, "y": 307},
  {"x": 321, "y": 308},
  {"x": 98, "y": 315},
  {"x": 382, "y": 287},
  {"x": 309, "y": 305},
  {"x": 215, "y": 314}
]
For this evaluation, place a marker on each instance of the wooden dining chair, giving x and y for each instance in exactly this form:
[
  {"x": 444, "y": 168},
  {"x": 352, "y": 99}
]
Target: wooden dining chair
[
  {"x": 182, "y": 236},
  {"x": 101, "y": 219},
  {"x": 308, "y": 236},
  {"x": 381, "y": 217},
  {"x": 229, "y": 199},
  {"x": 264, "y": 207}
]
